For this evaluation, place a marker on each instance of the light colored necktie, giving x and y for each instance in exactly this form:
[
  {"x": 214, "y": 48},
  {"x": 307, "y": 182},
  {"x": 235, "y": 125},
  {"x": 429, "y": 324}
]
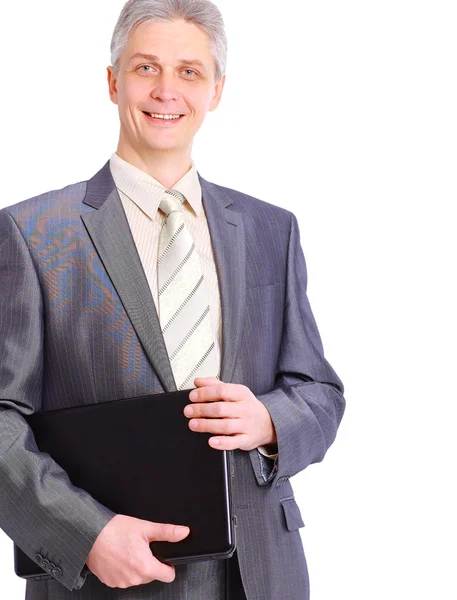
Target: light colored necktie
[{"x": 183, "y": 301}]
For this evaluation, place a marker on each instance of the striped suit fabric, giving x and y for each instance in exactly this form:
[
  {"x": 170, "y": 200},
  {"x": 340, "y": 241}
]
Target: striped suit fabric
[{"x": 79, "y": 326}]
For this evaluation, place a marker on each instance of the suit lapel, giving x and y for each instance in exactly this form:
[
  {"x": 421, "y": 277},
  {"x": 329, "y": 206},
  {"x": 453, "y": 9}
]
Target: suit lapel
[
  {"x": 110, "y": 233},
  {"x": 226, "y": 229}
]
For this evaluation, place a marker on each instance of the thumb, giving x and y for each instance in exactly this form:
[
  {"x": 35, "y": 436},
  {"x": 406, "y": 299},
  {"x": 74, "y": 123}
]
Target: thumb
[
  {"x": 166, "y": 532},
  {"x": 204, "y": 381}
]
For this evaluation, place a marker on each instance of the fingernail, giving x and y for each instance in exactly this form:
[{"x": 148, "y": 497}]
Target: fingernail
[
  {"x": 180, "y": 528},
  {"x": 188, "y": 411},
  {"x": 193, "y": 395}
]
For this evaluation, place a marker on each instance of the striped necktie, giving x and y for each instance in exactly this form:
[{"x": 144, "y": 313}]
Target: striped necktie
[{"x": 183, "y": 300}]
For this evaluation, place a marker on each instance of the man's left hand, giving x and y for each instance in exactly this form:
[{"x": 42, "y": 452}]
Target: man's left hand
[{"x": 231, "y": 411}]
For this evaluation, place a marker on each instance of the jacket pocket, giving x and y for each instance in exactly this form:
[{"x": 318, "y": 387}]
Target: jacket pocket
[{"x": 292, "y": 514}]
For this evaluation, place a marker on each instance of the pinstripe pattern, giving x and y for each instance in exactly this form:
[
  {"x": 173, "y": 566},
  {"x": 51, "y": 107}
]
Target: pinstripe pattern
[
  {"x": 205, "y": 580},
  {"x": 79, "y": 325}
]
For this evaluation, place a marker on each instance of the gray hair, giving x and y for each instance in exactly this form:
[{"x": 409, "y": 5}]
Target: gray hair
[{"x": 202, "y": 13}]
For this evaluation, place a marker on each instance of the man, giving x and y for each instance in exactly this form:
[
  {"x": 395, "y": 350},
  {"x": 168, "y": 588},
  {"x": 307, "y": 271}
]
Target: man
[{"x": 87, "y": 305}]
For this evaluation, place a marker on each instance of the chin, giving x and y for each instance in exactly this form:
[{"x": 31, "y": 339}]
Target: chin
[
  {"x": 164, "y": 145},
  {"x": 171, "y": 144}
]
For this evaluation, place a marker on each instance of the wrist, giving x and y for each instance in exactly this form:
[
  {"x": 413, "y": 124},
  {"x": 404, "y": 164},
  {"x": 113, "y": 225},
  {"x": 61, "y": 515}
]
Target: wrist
[{"x": 270, "y": 441}]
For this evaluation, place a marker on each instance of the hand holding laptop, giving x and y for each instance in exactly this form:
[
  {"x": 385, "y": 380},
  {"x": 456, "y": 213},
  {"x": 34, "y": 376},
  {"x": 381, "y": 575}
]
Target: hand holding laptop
[
  {"x": 121, "y": 556},
  {"x": 231, "y": 412},
  {"x": 141, "y": 461}
]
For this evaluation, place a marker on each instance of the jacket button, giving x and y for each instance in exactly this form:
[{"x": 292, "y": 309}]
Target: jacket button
[
  {"x": 38, "y": 558},
  {"x": 45, "y": 564},
  {"x": 56, "y": 572}
]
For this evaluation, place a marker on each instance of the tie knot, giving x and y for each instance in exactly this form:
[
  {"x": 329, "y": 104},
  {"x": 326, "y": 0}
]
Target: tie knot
[{"x": 172, "y": 200}]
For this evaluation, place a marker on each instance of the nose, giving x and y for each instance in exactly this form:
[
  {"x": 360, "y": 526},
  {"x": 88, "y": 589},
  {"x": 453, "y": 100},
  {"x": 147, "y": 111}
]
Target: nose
[{"x": 165, "y": 87}]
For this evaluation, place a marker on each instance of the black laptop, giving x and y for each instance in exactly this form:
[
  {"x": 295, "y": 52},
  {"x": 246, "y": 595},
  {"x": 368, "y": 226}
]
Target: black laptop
[{"x": 138, "y": 457}]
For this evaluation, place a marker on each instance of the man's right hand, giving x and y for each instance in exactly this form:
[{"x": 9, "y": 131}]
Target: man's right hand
[{"x": 121, "y": 556}]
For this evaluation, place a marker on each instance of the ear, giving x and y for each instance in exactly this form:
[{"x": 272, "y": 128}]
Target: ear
[
  {"x": 112, "y": 84},
  {"x": 217, "y": 94}
]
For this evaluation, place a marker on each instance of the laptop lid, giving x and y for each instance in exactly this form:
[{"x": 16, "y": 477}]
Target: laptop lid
[{"x": 138, "y": 457}]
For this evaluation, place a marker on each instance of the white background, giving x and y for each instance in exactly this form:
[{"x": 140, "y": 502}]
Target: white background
[{"x": 344, "y": 113}]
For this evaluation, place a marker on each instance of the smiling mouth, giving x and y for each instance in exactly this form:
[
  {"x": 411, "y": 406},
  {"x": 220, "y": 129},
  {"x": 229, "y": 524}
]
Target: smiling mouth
[{"x": 164, "y": 118}]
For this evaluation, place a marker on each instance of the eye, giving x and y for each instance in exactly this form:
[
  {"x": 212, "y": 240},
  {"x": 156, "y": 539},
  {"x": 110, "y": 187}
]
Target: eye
[
  {"x": 144, "y": 68},
  {"x": 189, "y": 72}
]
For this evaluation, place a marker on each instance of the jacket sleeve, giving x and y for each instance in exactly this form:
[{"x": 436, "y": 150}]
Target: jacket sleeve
[
  {"x": 307, "y": 403},
  {"x": 40, "y": 509}
]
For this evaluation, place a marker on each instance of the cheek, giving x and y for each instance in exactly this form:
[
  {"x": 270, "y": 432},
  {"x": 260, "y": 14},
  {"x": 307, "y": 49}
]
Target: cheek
[
  {"x": 201, "y": 100},
  {"x": 130, "y": 97}
]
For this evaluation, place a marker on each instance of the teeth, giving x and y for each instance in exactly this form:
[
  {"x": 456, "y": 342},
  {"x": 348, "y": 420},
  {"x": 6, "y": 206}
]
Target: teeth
[{"x": 167, "y": 117}]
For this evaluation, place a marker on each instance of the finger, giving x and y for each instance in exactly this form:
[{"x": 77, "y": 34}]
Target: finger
[
  {"x": 222, "y": 426},
  {"x": 165, "y": 532},
  {"x": 229, "y": 442},
  {"x": 228, "y": 392},
  {"x": 215, "y": 410},
  {"x": 202, "y": 381},
  {"x": 209, "y": 393},
  {"x": 163, "y": 572}
]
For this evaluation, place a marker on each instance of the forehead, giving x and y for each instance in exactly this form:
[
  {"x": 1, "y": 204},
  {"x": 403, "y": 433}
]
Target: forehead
[{"x": 170, "y": 40}]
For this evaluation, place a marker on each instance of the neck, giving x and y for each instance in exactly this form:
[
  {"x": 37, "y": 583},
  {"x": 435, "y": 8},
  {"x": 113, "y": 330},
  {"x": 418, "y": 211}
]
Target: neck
[{"x": 166, "y": 167}]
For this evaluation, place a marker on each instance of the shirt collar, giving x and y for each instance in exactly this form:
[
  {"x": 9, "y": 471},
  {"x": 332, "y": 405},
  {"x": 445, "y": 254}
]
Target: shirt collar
[{"x": 146, "y": 192}]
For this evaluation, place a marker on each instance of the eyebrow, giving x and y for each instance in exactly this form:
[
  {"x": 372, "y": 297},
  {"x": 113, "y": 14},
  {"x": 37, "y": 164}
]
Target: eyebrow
[{"x": 182, "y": 61}]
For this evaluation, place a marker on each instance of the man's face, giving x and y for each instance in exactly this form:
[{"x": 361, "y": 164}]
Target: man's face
[{"x": 166, "y": 69}]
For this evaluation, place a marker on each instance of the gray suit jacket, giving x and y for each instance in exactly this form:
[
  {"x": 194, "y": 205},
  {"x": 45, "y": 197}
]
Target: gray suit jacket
[{"x": 79, "y": 326}]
